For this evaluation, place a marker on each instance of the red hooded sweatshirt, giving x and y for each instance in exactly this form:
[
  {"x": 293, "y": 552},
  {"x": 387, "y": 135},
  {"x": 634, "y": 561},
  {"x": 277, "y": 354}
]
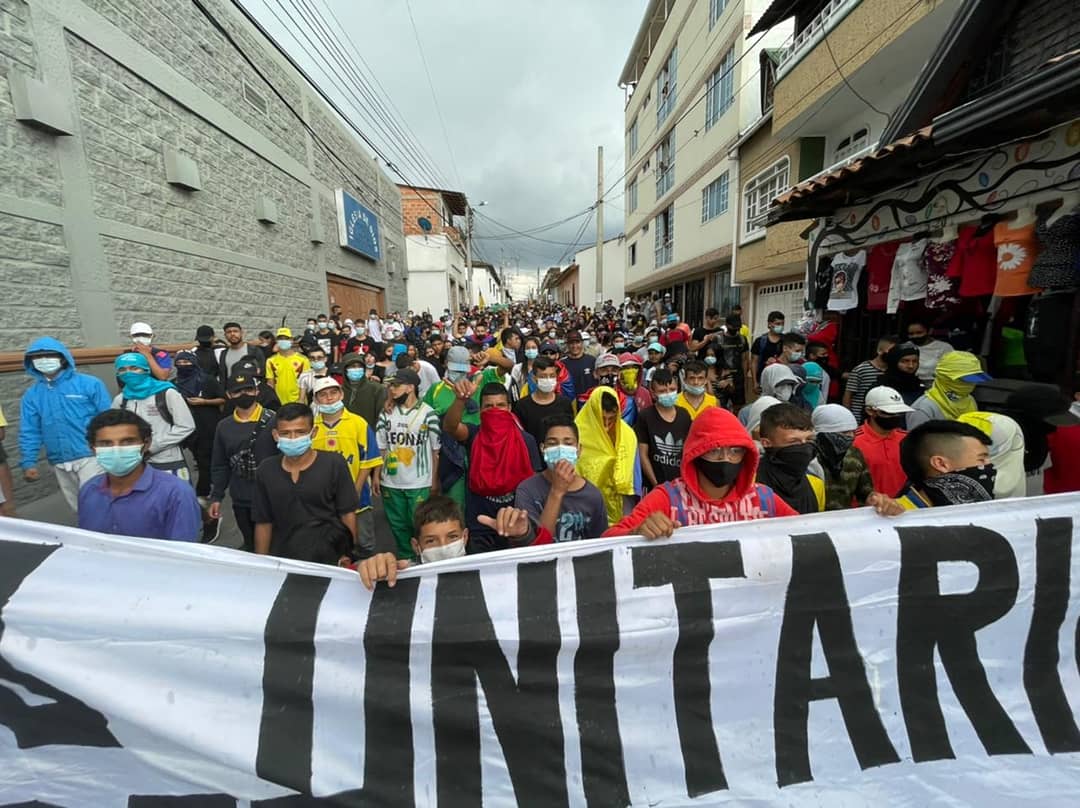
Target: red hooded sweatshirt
[{"x": 685, "y": 502}]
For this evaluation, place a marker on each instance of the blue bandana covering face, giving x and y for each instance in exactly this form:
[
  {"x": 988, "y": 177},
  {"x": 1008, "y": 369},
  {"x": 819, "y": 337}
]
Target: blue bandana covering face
[{"x": 136, "y": 385}]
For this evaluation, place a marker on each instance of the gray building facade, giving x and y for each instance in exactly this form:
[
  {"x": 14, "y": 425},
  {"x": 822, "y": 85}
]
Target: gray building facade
[{"x": 163, "y": 162}]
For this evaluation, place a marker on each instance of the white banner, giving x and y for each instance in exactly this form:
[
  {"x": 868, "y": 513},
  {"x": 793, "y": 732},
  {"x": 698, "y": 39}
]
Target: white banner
[{"x": 831, "y": 660}]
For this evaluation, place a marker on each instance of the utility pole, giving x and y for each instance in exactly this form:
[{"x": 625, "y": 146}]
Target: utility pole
[
  {"x": 468, "y": 254},
  {"x": 599, "y": 226}
]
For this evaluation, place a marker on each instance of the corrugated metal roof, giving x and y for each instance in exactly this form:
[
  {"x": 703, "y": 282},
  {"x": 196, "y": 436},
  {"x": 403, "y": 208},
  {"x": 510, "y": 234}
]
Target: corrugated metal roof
[
  {"x": 830, "y": 179},
  {"x": 778, "y": 11}
]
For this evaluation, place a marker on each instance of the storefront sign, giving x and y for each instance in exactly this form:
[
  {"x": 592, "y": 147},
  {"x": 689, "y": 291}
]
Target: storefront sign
[
  {"x": 836, "y": 659},
  {"x": 358, "y": 227}
]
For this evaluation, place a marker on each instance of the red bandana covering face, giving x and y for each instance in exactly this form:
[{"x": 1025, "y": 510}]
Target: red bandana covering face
[{"x": 499, "y": 461}]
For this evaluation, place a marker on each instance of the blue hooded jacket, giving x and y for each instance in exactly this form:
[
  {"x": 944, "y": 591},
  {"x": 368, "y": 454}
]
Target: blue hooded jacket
[{"x": 56, "y": 412}]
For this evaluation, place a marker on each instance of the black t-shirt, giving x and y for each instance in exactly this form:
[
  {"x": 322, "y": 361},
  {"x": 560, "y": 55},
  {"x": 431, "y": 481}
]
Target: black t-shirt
[
  {"x": 326, "y": 342},
  {"x": 325, "y": 491},
  {"x": 700, "y": 334},
  {"x": 665, "y": 440},
  {"x": 359, "y": 345},
  {"x": 765, "y": 351},
  {"x": 532, "y": 415},
  {"x": 483, "y": 539},
  {"x": 581, "y": 372}
]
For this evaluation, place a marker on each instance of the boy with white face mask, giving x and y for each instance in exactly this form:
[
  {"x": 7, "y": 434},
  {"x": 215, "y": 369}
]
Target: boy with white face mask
[
  {"x": 558, "y": 504},
  {"x": 439, "y": 534},
  {"x": 545, "y": 402}
]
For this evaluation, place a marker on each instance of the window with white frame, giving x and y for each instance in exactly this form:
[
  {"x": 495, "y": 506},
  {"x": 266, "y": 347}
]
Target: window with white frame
[
  {"x": 665, "y": 236},
  {"x": 631, "y": 196},
  {"x": 665, "y": 88},
  {"x": 720, "y": 89},
  {"x": 716, "y": 10},
  {"x": 759, "y": 193},
  {"x": 665, "y": 164},
  {"x": 852, "y": 144},
  {"x": 632, "y": 139},
  {"x": 714, "y": 198}
]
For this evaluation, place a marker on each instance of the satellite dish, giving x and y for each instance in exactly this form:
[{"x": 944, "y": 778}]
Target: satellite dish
[{"x": 425, "y": 224}]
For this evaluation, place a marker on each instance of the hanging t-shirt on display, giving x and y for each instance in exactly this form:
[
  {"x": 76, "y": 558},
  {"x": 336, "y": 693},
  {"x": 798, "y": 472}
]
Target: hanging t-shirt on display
[
  {"x": 1016, "y": 252},
  {"x": 1058, "y": 263},
  {"x": 844, "y": 289},
  {"x": 879, "y": 266},
  {"x": 974, "y": 263},
  {"x": 908, "y": 275},
  {"x": 942, "y": 292},
  {"x": 823, "y": 281}
]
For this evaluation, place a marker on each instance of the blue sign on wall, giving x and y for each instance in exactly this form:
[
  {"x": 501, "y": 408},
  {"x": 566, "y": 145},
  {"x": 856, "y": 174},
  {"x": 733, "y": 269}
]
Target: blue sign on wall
[{"x": 358, "y": 227}]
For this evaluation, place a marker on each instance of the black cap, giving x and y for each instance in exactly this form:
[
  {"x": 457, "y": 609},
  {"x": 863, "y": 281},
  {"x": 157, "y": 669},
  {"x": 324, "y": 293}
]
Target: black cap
[
  {"x": 241, "y": 380},
  {"x": 204, "y": 332},
  {"x": 406, "y": 376}
]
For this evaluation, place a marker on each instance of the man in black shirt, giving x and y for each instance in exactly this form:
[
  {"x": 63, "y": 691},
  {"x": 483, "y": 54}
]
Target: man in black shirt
[
  {"x": 662, "y": 430},
  {"x": 580, "y": 365},
  {"x": 544, "y": 402},
  {"x": 711, "y": 332},
  {"x": 305, "y": 501}
]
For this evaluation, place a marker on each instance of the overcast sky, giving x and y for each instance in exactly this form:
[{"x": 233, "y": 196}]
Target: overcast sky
[{"x": 528, "y": 89}]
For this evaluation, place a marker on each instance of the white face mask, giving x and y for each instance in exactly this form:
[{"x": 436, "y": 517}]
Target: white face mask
[
  {"x": 455, "y": 549},
  {"x": 141, "y": 340},
  {"x": 784, "y": 391},
  {"x": 546, "y": 385}
]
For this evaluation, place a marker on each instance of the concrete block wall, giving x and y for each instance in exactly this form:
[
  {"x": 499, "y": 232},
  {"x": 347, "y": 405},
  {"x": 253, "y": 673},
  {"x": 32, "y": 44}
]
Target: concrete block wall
[{"x": 93, "y": 238}]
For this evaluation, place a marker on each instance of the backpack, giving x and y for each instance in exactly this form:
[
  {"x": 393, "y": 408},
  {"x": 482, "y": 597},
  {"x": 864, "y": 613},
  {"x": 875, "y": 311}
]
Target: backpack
[
  {"x": 766, "y": 500},
  {"x": 244, "y": 463},
  {"x": 161, "y": 402}
]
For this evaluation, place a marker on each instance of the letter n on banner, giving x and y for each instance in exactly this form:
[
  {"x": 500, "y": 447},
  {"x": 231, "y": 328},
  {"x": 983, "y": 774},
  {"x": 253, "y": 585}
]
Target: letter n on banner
[
  {"x": 525, "y": 713},
  {"x": 687, "y": 568},
  {"x": 66, "y": 720},
  {"x": 816, "y": 597},
  {"x": 927, "y": 619}
]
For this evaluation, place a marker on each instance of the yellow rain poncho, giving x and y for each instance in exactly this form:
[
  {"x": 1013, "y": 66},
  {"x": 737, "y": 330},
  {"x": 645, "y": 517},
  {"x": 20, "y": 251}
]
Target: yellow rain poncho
[{"x": 612, "y": 466}]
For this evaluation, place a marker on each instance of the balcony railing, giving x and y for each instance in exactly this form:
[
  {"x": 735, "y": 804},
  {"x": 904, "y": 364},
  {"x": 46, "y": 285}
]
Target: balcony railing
[{"x": 805, "y": 41}]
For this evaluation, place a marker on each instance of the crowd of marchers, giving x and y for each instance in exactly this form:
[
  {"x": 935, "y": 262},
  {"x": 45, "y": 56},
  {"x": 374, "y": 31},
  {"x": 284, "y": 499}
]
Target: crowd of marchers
[{"x": 525, "y": 424}]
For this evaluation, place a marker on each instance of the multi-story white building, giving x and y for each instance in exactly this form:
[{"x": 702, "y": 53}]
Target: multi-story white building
[
  {"x": 691, "y": 80},
  {"x": 439, "y": 278},
  {"x": 614, "y": 283}
]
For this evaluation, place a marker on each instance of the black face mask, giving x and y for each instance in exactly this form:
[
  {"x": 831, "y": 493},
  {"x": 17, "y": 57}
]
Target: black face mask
[
  {"x": 245, "y": 401},
  {"x": 975, "y": 484},
  {"x": 183, "y": 371},
  {"x": 889, "y": 422},
  {"x": 205, "y": 343},
  {"x": 400, "y": 400},
  {"x": 920, "y": 340},
  {"x": 793, "y": 458},
  {"x": 718, "y": 472}
]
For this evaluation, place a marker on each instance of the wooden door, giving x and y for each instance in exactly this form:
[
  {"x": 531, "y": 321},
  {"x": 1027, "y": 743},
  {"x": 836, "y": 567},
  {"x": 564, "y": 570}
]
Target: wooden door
[{"x": 356, "y": 299}]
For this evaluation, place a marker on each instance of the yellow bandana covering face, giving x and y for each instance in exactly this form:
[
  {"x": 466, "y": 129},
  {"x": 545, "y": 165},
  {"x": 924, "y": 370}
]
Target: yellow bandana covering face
[
  {"x": 607, "y": 464},
  {"x": 951, "y": 394}
]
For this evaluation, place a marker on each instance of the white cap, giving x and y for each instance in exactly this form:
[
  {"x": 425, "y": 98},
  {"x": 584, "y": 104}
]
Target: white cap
[
  {"x": 324, "y": 383},
  {"x": 887, "y": 400},
  {"x": 141, "y": 328}
]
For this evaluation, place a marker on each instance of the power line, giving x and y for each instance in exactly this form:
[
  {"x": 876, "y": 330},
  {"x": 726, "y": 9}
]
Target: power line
[
  {"x": 405, "y": 139},
  {"x": 410, "y": 136},
  {"x": 322, "y": 62},
  {"x": 434, "y": 96},
  {"x": 828, "y": 47}
]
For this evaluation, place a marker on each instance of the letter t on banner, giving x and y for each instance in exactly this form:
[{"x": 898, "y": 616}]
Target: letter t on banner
[{"x": 687, "y": 568}]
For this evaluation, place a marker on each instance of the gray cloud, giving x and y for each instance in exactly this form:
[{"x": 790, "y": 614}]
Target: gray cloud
[{"x": 527, "y": 89}]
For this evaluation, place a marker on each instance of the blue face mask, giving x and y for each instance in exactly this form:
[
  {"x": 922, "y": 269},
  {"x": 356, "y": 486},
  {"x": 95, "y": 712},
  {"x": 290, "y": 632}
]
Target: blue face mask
[
  {"x": 284, "y": 344},
  {"x": 46, "y": 364},
  {"x": 796, "y": 356},
  {"x": 710, "y": 360},
  {"x": 354, "y": 374},
  {"x": 136, "y": 385},
  {"x": 667, "y": 399},
  {"x": 294, "y": 447},
  {"x": 119, "y": 460},
  {"x": 553, "y": 454},
  {"x": 693, "y": 389},
  {"x": 331, "y": 409},
  {"x": 318, "y": 366},
  {"x": 778, "y": 329},
  {"x": 531, "y": 353}
]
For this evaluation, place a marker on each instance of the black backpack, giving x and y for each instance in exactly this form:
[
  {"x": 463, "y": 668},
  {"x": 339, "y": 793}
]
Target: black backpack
[{"x": 161, "y": 402}]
